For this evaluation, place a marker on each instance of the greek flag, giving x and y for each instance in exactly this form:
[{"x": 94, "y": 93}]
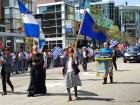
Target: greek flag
[
  {"x": 31, "y": 26},
  {"x": 113, "y": 42},
  {"x": 57, "y": 52}
]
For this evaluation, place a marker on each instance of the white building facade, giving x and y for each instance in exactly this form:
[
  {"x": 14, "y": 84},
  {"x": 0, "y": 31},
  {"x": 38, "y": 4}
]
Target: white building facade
[{"x": 57, "y": 22}]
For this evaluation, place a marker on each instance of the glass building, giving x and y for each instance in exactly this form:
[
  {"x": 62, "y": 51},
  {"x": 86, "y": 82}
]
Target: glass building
[
  {"x": 12, "y": 14},
  {"x": 57, "y": 23},
  {"x": 130, "y": 20},
  {"x": 2, "y": 25},
  {"x": 109, "y": 10},
  {"x": 13, "y": 23}
]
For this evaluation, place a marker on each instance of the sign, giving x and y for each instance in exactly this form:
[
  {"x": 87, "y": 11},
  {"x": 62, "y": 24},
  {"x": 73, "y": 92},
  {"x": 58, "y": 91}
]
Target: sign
[
  {"x": 104, "y": 22},
  {"x": 69, "y": 26}
]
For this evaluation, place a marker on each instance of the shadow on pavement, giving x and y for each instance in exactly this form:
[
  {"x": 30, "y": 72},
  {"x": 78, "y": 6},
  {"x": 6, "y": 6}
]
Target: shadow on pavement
[
  {"x": 126, "y": 82},
  {"x": 123, "y": 70},
  {"x": 95, "y": 99},
  {"x": 91, "y": 79},
  {"x": 80, "y": 93},
  {"x": 87, "y": 93},
  {"x": 55, "y": 79},
  {"x": 17, "y": 93}
]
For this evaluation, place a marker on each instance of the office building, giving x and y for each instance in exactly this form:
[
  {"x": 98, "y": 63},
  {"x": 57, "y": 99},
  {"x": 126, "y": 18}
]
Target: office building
[
  {"x": 12, "y": 24},
  {"x": 57, "y": 24},
  {"x": 130, "y": 21}
]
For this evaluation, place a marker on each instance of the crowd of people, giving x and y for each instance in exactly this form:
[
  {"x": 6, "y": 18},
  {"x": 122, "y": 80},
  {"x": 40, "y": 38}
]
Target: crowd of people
[{"x": 20, "y": 61}]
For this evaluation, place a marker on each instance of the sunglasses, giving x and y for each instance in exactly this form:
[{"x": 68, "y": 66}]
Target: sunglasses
[{"x": 6, "y": 50}]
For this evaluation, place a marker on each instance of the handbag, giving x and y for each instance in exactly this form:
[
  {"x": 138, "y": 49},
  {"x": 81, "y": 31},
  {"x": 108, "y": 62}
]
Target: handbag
[
  {"x": 77, "y": 70},
  {"x": 62, "y": 71}
]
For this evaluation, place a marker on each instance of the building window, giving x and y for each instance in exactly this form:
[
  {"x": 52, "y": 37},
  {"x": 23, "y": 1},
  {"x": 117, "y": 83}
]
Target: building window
[
  {"x": 59, "y": 22},
  {"x": 49, "y": 16},
  {"x": 6, "y": 2},
  {"x": 7, "y": 13},
  {"x": 58, "y": 15},
  {"x": 59, "y": 29},
  {"x": 51, "y": 35},
  {"x": 59, "y": 35},
  {"x": 2, "y": 29},
  {"x": 50, "y": 8},
  {"x": 49, "y": 30},
  {"x": 43, "y": 10},
  {"x": 49, "y": 23},
  {"x": 58, "y": 7}
]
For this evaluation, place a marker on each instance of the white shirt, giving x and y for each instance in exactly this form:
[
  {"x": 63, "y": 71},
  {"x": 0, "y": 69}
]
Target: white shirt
[
  {"x": 69, "y": 65},
  {"x": 84, "y": 54}
]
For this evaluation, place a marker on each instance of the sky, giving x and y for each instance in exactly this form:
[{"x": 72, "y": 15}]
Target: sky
[{"x": 130, "y": 2}]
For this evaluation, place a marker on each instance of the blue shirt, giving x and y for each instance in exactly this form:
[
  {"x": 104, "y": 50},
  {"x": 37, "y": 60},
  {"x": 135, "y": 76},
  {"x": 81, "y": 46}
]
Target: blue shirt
[{"x": 106, "y": 50}]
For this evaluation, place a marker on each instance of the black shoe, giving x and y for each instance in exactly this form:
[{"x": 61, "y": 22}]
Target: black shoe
[
  {"x": 12, "y": 89},
  {"x": 30, "y": 95},
  {"x": 70, "y": 99},
  {"x": 111, "y": 79},
  {"x": 104, "y": 82},
  {"x": 4, "y": 93}
]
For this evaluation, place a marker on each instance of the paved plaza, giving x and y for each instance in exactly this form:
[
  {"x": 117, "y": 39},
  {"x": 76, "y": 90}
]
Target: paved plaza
[{"x": 124, "y": 91}]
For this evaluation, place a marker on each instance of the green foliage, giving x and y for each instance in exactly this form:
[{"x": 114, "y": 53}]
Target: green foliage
[
  {"x": 114, "y": 33},
  {"x": 96, "y": 11}
]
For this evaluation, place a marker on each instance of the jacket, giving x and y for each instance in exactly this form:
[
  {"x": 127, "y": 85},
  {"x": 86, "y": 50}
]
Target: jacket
[
  {"x": 7, "y": 64},
  {"x": 74, "y": 66}
]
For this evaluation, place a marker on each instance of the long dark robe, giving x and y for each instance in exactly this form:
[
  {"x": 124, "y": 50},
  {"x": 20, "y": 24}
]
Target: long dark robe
[{"x": 37, "y": 75}]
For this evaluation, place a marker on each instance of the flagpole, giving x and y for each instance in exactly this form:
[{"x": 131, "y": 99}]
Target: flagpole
[{"x": 77, "y": 39}]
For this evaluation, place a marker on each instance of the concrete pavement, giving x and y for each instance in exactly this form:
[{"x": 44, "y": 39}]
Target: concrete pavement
[{"x": 124, "y": 91}]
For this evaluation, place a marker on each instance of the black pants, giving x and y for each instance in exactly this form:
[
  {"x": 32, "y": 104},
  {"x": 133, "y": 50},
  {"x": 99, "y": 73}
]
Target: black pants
[
  {"x": 6, "y": 78},
  {"x": 69, "y": 93},
  {"x": 114, "y": 63},
  {"x": 84, "y": 64}
]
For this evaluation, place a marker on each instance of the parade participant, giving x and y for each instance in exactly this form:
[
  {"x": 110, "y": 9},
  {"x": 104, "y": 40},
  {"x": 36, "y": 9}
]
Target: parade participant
[
  {"x": 114, "y": 58},
  {"x": 37, "y": 74},
  {"x": 6, "y": 70},
  {"x": 108, "y": 63},
  {"x": 84, "y": 58},
  {"x": 70, "y": 71}
]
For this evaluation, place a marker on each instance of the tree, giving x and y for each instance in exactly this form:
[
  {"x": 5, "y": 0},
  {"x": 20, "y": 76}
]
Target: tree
[{"x": 114, "y": 33}]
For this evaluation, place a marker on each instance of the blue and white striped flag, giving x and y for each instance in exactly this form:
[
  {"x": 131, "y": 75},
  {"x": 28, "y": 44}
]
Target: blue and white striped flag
[
  {"x": 113, "y": 42},
  {"x": 31, "y": 26},
  {"x": 57, "y": 52}
]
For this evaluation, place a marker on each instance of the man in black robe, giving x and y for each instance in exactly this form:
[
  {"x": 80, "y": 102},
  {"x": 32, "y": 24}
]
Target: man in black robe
[{"x": 37, "y": 74}]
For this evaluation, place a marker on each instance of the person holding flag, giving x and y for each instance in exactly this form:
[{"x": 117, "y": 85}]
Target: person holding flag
[
  {"x": 38, "y": 74},
  {"x": 70, "y": 72}
]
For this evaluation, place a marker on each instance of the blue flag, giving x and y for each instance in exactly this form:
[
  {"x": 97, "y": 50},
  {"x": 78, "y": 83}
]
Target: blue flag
[
  {"x": 87, "y": 29},
  {"x": 41, "y": 44},
  {"x": 113, "y": 42},
  {"x": 31, "y": 26},
  {"x": 57, "y": 52}
]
